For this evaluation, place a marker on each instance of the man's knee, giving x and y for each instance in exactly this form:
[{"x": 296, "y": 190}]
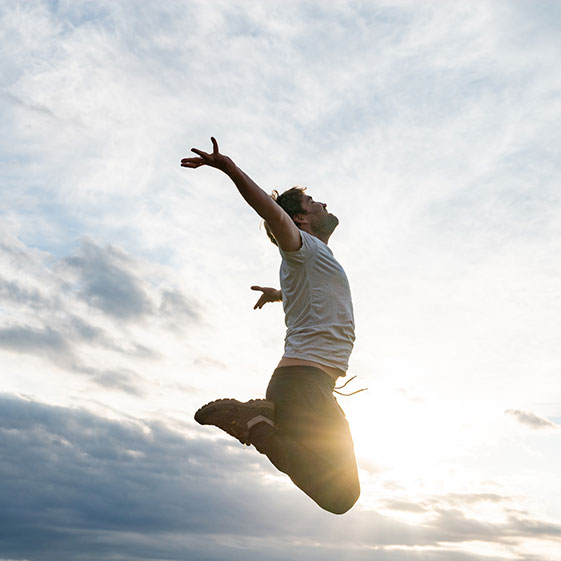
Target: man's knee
[{"x": 342, "y": 501}]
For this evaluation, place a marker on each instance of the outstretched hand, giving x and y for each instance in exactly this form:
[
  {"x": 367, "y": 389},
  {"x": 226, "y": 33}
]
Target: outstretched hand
[
  {"x": 269, "y": 295},
  {"x": 214, "y": 159}
]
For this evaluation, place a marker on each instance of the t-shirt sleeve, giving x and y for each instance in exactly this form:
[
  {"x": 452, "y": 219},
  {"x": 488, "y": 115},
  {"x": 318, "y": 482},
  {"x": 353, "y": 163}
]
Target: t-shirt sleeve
[{"x": 308, "y": 248}]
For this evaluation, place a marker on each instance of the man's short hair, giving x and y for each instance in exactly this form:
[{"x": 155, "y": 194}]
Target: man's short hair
[{"x": 291, "y": 202}]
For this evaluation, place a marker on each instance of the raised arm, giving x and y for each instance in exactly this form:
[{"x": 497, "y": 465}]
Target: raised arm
[{"x": 284, "y": 229}]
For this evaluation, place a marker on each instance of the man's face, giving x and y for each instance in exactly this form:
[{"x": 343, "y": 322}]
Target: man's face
[{"x": 321, "y": 222}]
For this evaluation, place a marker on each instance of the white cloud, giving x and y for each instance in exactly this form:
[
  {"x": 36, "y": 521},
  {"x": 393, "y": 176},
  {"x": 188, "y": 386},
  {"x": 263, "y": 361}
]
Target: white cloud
[{"x": 531, "y": 419}]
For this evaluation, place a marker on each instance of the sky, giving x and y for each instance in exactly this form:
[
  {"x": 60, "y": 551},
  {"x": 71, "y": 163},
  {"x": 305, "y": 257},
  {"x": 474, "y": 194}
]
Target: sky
[{"x": 431, "y": 129}]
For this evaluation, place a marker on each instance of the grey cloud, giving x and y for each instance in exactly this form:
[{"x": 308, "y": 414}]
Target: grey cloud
[
  {"x": 452, "y": 525},
  {"x": 87, "y": 332},
  {"x": 530, "y": 528},
  {"x": 23, "y": 338},
  {"x": 64, "y": 327},
  {"x": 477, "y": 497},
  {"x": 57, "y": 348},
  {"x": 35, "y": 107},
  {"x": 175, "y": 304},
  {"x": 107, "y": 280},
  {"x": 45, "y": 342},
  {"x": 75, "y": 486},
  {"x": 91, "y": 472},
  {"x": 530, "y": 419},
  {"x": 15, "y": 250},
  {"x": 47, "y": 316},
  {"x": 105, "y": 277},
  {"x": 124, "y": 380},
  {"x": 11, "y": 291},
  {"x": 110, "y": 280},
  {"x": 456, "y": 499},
  {"x": 80, "y": 330},
  {"x": 404, "y": 506}
]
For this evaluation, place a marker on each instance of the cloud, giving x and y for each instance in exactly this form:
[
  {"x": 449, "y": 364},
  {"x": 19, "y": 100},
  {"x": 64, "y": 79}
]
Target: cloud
[
  {"x": 453, "y": 525},
  {"x": 176, "y": 304},
  {"x": 106, "y": 283},
  {"x": 118, "y": 285},
  {"x": 124, "y": 380},
  {"x": 10, "y": 290},
  {"x": 531, "y": 419},
  {"x": 455, "y": 500},
  {"x": 404, "y": 506},
  {"x": 24, "y": 339},
  {"x": 473, "y": 498},
  {"x": 444, "y": 519},
  {"x": 104, "y": 277},
  {"x": 67, "y": 472},
  {"x": 55, "y": 347},
  {"x": 79, "y": 486},
  {"x": 81, "y": 313}
]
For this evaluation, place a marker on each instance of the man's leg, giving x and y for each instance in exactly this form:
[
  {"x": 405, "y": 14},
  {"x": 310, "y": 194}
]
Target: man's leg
[{"x": 311, "y": 442}]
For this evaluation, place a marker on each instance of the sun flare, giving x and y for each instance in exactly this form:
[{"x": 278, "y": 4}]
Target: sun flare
[{"x": 412, "y": 439}]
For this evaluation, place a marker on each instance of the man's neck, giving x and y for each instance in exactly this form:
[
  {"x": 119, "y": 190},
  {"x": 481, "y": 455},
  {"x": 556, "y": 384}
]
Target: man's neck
[{"x": 323, "y": 237}]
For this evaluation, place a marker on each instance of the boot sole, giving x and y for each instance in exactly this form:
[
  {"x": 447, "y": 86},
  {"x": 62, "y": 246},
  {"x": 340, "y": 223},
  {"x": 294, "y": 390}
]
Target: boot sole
[{"x": 204, "y": 415}]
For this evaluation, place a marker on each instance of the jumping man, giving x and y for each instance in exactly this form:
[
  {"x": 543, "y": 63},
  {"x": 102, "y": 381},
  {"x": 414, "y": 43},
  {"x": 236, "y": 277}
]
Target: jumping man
[{"x": 299, "y": 426}]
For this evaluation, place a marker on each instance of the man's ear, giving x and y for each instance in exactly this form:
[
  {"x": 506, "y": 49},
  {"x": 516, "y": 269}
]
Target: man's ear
[{"x": 299, "y": 219}]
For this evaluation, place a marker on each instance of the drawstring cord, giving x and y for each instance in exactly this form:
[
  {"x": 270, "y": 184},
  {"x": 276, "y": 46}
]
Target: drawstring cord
[{"x": 335, "y": 390}]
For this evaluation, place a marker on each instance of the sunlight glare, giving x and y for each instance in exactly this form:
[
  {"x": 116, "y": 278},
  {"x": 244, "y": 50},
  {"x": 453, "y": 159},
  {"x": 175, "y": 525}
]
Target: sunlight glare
[{"x": 412, "y": 439}]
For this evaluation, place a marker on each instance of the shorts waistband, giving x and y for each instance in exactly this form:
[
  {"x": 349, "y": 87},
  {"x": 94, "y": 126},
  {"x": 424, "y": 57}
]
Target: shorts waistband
[{"x": 304, "y": 370}]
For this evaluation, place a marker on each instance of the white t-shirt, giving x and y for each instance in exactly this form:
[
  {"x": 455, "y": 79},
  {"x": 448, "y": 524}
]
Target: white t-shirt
[{"x": 317, "y": 305}]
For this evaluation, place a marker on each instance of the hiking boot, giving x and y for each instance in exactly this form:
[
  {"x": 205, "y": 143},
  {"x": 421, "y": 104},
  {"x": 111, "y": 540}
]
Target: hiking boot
[{"x": 236, "y": 417}]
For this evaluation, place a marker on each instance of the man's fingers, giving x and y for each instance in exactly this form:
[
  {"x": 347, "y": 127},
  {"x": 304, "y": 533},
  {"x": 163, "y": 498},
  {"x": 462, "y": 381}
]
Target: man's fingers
[
  {"x": 257, "y": 288},
  {"x": 191, "y": 162},
  {"x": 204, "y": 157},
  {"x": 200, "y": 153}
]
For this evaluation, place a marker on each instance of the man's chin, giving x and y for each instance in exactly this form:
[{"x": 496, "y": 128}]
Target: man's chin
[
  {"x": 333, "y": 221},
  {"x": 327, "y": 225}
]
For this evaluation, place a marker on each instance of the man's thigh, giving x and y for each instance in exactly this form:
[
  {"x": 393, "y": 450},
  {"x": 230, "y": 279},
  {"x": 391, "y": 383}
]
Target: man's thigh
[{"x": 307, "y": 412}]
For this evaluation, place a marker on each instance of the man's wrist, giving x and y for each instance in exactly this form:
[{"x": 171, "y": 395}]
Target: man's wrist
[{"x": 231, "y": 169}]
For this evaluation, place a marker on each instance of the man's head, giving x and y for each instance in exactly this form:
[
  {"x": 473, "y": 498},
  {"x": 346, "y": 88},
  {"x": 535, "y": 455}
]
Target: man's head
[{"x": 309, "y": 215}]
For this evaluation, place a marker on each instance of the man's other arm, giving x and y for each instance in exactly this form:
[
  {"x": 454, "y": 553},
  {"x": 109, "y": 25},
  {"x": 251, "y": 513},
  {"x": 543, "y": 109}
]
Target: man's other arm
[{"x": 269, "y": 295}]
